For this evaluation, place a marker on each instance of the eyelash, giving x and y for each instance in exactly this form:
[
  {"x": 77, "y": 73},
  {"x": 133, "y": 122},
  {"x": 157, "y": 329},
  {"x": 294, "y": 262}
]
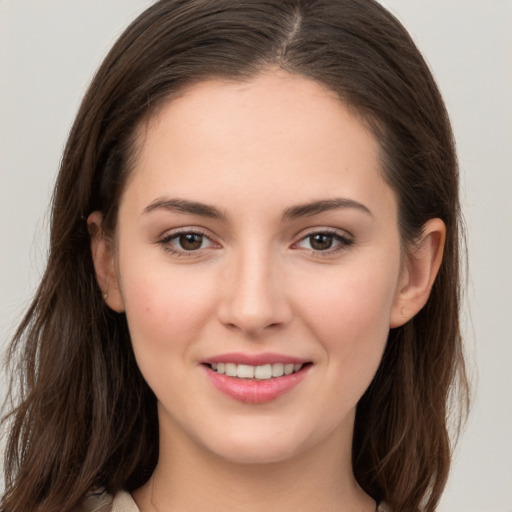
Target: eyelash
[
  {"x": 343, "y": 242},
  {"x": 166, "y": 240}
]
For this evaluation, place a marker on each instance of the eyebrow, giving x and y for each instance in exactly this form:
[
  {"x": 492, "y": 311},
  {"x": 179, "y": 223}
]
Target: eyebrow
[
  {"x": 185, "y": 206},
  {"x": 294, "y": 212},
  {"x": 316, "y": 207}
]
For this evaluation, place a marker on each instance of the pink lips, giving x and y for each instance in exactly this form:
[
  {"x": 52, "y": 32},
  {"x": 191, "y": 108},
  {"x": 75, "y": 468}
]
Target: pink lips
[{"x": 251, "y": 390}]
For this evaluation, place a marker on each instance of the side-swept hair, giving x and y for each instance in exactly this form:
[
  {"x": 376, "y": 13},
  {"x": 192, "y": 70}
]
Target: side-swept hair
[{"x": 82, "y": 415}]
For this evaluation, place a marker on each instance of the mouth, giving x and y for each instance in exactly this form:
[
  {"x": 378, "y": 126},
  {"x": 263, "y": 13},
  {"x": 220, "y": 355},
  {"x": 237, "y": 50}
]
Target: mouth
[
  {"x": 261, "y": 372},
  {"x": 268, "y": 378}
]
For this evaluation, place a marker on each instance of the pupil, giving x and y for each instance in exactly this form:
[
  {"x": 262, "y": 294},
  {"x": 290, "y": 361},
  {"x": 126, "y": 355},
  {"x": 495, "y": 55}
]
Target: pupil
[
  {"x": 321, "y": 242},
  {"x": 191, "y": 241}
]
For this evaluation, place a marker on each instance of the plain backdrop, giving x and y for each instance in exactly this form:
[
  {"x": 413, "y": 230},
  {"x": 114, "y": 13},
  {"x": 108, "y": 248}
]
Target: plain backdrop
[{"x": 49, "y": 50}]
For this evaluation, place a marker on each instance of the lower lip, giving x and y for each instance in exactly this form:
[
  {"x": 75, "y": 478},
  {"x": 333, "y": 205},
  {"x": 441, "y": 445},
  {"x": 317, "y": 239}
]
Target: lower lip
[{"x": 253, "y": 391}]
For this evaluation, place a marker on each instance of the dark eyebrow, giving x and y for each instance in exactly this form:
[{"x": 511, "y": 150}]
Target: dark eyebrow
[
  {"x": 316, "y": 207},
  {"x": 185, "y": 206}
]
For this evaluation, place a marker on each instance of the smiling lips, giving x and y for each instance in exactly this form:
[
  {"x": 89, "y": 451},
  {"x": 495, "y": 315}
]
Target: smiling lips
[{"x": 255, "y": 379}]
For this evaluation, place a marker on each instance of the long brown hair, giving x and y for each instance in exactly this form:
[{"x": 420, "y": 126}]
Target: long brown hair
[{"x": 73, "y": 423}]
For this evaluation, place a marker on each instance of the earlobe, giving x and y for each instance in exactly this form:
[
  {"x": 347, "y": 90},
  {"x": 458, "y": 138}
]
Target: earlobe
[
  {"x": 103, "y": 257},
  {"x": 420, "y": 268}
]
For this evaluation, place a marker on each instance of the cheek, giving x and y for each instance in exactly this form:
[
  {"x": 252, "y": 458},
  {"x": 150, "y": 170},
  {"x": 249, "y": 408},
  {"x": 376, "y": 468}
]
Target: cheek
[
  {"x": 350, "y": 303},
  {"x": 349, "y": 313},
  {"x": 165, "y": 307}
]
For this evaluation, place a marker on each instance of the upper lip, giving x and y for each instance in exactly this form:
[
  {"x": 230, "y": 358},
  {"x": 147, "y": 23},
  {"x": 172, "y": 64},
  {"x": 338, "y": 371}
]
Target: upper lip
[{"x": 255, "y": 359}]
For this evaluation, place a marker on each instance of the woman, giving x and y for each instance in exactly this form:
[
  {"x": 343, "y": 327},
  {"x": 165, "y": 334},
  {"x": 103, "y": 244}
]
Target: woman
[{"x": 252, "y": 294}]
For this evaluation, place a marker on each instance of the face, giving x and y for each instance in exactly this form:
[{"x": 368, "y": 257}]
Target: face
[{"x": 258, "y": 260}]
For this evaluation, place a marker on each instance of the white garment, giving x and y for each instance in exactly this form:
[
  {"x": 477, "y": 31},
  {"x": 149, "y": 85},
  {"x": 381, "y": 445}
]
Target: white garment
[
  {"x": 100, "y": 501},
  {"x": 123, "y": 502}
]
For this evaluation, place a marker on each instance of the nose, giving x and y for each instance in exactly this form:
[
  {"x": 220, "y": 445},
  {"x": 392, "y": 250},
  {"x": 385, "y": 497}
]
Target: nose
[{"x": 253, "y": 295}]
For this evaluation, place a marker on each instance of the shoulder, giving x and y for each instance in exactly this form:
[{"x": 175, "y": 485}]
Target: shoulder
[{"x": 101, "y": 501}]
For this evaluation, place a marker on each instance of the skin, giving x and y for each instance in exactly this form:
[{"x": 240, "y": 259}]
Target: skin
[{"x": 258, "y": 283}]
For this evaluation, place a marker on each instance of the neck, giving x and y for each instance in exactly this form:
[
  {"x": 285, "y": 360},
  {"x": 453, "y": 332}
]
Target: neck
[{"x": 190, "y": 478}]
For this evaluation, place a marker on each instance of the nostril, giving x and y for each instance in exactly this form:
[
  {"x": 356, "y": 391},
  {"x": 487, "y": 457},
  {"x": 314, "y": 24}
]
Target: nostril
[{"x": 254, "y": 312}]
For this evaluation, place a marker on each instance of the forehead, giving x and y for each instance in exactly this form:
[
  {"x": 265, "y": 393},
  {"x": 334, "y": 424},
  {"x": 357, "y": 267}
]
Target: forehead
[
  {"x": 275, "y": 132},
  {"x": 274, "y": 102}
]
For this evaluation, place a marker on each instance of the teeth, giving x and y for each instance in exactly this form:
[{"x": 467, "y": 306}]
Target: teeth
[
  {"x": 263, "y": 372},
  {"x": 244, "y": 371},
  {"x": 231, "y": 370},
  {"x": 277, "y": 370}
]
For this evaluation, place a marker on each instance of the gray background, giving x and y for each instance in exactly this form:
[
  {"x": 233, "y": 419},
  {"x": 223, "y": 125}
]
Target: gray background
[{"x": 49, "y": 50}]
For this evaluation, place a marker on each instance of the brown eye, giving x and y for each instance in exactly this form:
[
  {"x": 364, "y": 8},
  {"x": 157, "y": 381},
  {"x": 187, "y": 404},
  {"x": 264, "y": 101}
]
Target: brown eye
[
  {"x": 187, "y": 243},
  {"x": 324, "y": 242},
  {"x": 321, "y": 241},
  {"x": 190, "y": 241}
]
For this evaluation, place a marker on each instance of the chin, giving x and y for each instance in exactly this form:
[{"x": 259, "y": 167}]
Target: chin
[
  {"x": 257, "y": 454},
  {"x": 259, "y": 445}
]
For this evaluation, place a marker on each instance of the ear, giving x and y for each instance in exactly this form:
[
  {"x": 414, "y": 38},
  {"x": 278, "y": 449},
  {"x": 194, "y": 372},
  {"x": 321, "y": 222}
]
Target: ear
[
  {"x": 103, "y": 256},
  {"x": 420, "y": 267}
]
